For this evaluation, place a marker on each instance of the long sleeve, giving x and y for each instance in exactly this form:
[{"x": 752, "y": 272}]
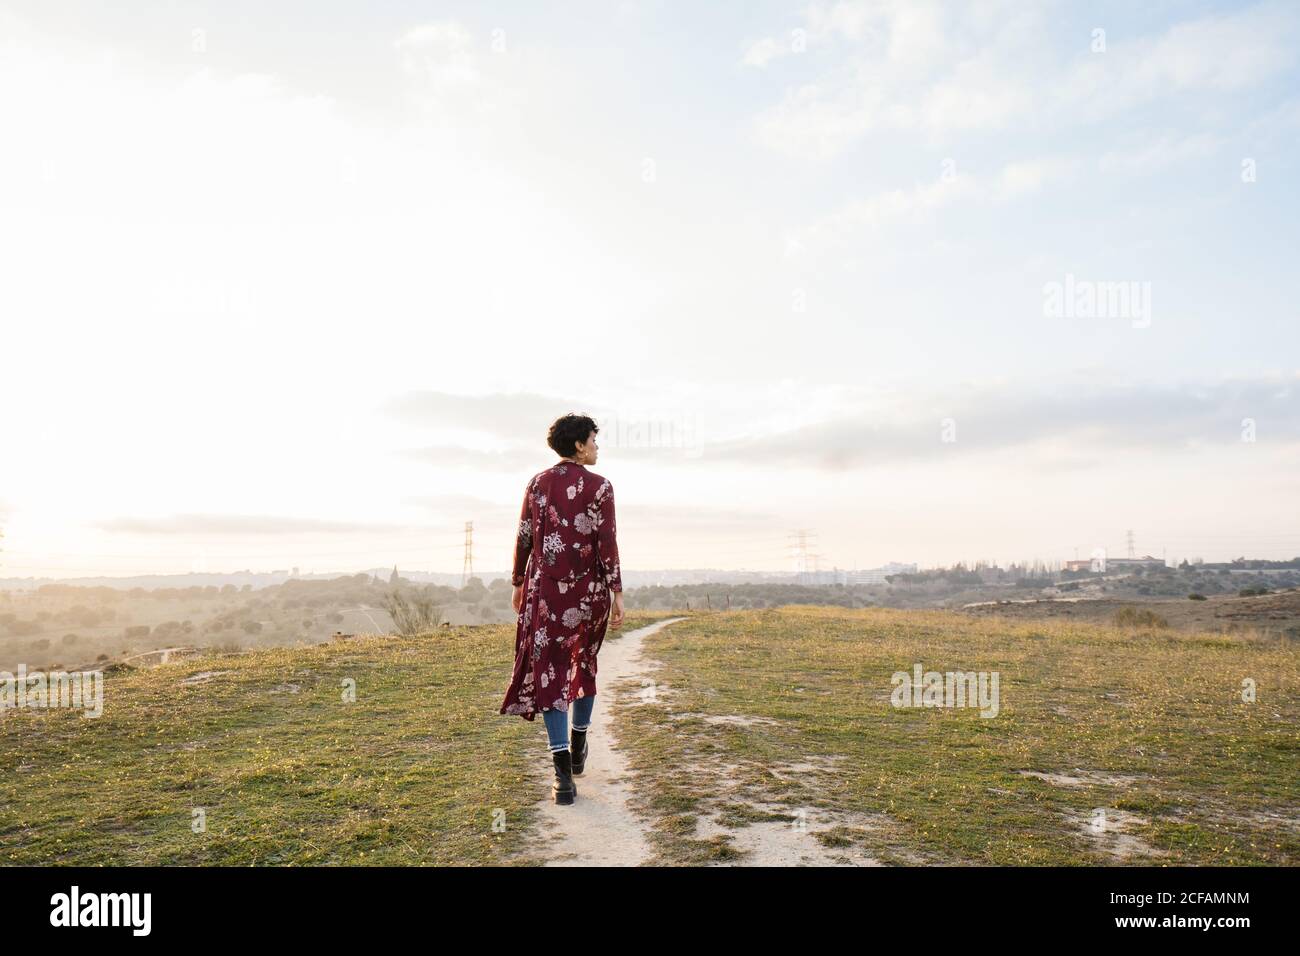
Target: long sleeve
[
  {"x": 523, "y": 540},
  {"x": 607, "y": 538}
]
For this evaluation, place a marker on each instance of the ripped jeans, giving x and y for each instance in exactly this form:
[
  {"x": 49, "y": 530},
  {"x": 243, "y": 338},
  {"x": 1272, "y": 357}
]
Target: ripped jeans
[{"x": 557, "y": 722}]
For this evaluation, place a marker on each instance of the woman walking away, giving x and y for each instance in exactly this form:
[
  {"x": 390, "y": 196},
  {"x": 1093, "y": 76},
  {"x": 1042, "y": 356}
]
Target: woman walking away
[{"x": 565, "y": 571}]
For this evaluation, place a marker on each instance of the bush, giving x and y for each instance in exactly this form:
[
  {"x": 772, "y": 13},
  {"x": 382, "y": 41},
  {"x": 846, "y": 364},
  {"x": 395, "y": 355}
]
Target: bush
[
  {"x": 1132, "y": 617},
  {"x": 418, "y": 615},
  {"x": 1195, "y": 597}
]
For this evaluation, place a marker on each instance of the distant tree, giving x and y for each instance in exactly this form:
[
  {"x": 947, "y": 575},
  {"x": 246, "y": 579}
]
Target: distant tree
[
  {"x": 473, "y": 591},
  {"x": 393, "y": 579}
]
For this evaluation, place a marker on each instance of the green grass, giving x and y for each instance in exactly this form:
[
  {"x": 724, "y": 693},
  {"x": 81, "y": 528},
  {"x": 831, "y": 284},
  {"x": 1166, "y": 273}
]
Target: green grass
[
  {"x": 416, "y": 771},
  {"x": 419, "y": 767},
  {"x": 1214, "y": 779}
]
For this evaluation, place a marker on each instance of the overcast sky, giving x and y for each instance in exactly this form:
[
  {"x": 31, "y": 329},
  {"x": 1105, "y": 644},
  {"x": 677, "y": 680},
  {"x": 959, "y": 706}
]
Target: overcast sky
[{"x": 304, "y": 283}]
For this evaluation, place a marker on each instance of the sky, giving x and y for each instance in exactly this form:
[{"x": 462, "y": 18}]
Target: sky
[{"x": 304, "y": 284}]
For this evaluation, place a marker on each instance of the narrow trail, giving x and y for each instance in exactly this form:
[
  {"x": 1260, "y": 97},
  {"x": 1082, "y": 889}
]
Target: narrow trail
[{"x": 599, "y": 828}]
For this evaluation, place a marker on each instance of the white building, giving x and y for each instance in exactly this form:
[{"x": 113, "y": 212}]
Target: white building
[{"x": 877, "y": 575}]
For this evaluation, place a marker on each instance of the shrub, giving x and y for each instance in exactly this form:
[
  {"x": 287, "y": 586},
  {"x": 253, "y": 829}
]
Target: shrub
[
  {"x": 1195, "y": 597},
  {"x": 414, "y": 617},
  {"x": 1132, "y": 617}
]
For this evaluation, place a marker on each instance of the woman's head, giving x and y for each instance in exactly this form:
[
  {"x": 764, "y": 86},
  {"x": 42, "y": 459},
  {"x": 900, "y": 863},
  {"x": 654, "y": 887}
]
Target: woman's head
[{"x": 574, "y": 435}]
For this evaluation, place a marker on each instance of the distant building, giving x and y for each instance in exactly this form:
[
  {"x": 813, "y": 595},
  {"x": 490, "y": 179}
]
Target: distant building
[
  {"x": 1098, "y": 565},
  {"x": 1128, "y": 564},
  {"x": 877, "y": 575}
]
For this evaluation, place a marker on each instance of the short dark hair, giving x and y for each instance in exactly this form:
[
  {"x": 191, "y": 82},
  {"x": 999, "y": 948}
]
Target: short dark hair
[{"x": 567, "y": 430}]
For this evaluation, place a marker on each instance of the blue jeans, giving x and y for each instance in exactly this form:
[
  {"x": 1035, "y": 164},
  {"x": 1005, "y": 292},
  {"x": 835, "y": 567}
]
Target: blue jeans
[{"x": 557, "y": 722}]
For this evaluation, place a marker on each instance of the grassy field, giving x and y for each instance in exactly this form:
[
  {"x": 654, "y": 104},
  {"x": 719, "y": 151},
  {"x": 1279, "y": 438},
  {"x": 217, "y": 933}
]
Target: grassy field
[
  {"x": 755, "y": 718},
  {"x": 415, "y": 771},
  {"x": 1110, "y": 746}
]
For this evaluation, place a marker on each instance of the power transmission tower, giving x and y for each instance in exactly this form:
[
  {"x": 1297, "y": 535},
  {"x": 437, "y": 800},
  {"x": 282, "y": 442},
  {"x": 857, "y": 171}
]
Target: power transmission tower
[
  {"x": 802, "y": 556},
  {"x": 467, "y": 570},
  {"x": 1131, "y": 552}
]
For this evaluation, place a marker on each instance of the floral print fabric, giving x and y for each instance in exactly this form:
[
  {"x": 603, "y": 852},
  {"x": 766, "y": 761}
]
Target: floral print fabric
[{"x": 566, "y": 556}]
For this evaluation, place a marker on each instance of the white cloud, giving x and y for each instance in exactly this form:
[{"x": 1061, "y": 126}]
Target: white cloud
[
  {"x": 761, "y": 53},
  {"x": 1147, "y": 153},
  {"x": 444, "y": 63},
  {"x": 809, "y": 124},
  {"x": 900, "y": 205},
  {"x": 1212, "y": 55},
  {"x": 949, "y": 70},
  {"x": 919, "y": 203},
  {"x": 1029, "y": 176}
]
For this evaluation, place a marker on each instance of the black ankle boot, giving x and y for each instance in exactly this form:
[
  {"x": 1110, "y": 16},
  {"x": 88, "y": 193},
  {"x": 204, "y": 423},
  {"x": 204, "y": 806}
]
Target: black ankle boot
[
  {"x": 578, "y": 747},
  {"x": 564, "y": 790}
]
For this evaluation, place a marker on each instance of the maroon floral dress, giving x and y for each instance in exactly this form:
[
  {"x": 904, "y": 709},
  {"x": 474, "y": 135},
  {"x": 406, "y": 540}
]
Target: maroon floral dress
[{"x": 566, "y": 537}]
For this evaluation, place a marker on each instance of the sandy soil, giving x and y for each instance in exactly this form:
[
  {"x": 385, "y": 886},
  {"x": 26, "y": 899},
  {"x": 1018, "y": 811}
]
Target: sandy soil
[{"x": 599, "y": 828}]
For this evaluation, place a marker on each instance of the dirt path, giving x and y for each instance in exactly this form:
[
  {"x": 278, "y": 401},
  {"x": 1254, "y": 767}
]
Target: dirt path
[{"x": 600, "y": 829}]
